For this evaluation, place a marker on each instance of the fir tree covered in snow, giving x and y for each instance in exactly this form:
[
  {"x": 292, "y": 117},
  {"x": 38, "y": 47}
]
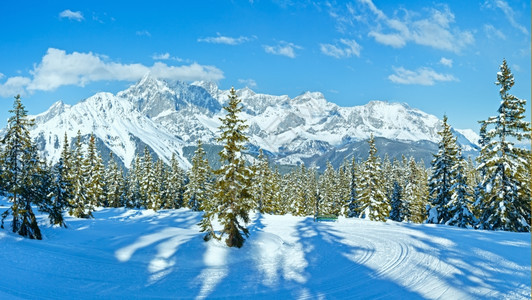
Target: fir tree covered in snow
[
  {"x": 175, "y": 184},
  {"x": 396, "y": 212},
  {"x": 232, "y": 196},
  {"x": 371, "y": 195},
  {"x": 459, "y": 208},
  {"x": 59, "y": 194},
  {"x": 442, "y": 175},
  {"x": 115, "y": 185},
  {"x": 94, "y": 173},
  {"x": 262, "y": 182},
  {"x": 20, "y": 162},
  {"x": 79, "y": 199},
  {"x": 352, "y": 204},
  {"x": 199, "y": 187},
  {"x": 503, "y": 198}
]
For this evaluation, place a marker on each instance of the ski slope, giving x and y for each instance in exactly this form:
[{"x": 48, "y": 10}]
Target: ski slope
[{"x": 131, "y": 254}]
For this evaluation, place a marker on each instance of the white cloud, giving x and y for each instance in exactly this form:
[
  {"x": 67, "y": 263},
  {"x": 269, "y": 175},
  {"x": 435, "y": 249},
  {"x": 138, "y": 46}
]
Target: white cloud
[
  {"x": 248, "y": 82},
  {"x": 509, "y": 13},
  {"x": 219, "y": 39},
  {"x": 13, "y": 86},
  {"x": 446, "y": 62},
  {"x": 143, "y": 33},
  {"x": 71, "y": 15},
  {"x": 349, "y": 48},
  {"x": 421, "y": 76},
  {"x": 162, "y": 56},
  {"x": 492, "y": 32},
  {"x": 436, "y": 29},
  {"x": 283, "y": 48},
  {"x": 57, "y": 68},
  {"x": 166, "y": 56}
]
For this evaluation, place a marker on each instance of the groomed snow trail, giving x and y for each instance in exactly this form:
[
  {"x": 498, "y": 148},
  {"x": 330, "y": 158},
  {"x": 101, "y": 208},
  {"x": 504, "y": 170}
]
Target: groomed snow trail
[{"x": 145, "y": 254}]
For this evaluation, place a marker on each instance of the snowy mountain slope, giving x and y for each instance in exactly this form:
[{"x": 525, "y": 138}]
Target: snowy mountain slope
[
  {"x": 113, "y": 121},
  {"x": 136, "y": 254},
  {"x": 167, "y": 116}
]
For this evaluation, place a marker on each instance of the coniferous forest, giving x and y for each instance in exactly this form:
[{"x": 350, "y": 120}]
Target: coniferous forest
[{"x": 489, "y": 192}]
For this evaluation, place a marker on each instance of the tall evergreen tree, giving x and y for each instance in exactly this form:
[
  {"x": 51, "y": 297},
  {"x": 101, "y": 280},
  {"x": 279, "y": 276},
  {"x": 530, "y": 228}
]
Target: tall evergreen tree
[
  {"x": 20, "y": 160},
  {"x": 79, "y": 199},
  {"x": 374, "y": 204},
  {"x": 396, "y": 203},
  {"x": 504, "y": 195},
  {"x": 199, "y": 187},
  {"x": 459, "y": 207},
  {"x": 114, "y": 184},
  {"x": 442, "y": 175},
  {"x": 175, "y": 184},
  {"x": 232, "y": 189},
  {"x": 261, "y": 186},
  {"x": 94, "y": 177},
  {"x": 133, "y": 191},
  {"x": 59, "y": 194},
  {"x": 353, "y": 205}
]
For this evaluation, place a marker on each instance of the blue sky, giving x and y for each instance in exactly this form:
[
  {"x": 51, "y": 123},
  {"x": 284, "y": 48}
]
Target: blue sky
[{"x": 440, "y": 57}]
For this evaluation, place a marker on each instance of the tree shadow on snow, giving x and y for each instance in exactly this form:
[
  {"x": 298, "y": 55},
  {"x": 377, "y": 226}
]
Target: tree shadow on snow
[
  {"x": 474, "y": 256},
  {"x": 317, "y": 265}
]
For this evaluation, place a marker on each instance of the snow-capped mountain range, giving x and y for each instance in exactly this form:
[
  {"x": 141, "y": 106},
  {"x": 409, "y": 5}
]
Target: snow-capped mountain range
[{"x": 169, "y": 116}]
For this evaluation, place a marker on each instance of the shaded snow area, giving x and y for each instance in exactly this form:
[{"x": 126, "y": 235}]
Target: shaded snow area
[{"x": 144, "y": 254}]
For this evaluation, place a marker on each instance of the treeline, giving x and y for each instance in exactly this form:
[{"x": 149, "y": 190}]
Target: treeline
[{"x": 493, "y": 193}]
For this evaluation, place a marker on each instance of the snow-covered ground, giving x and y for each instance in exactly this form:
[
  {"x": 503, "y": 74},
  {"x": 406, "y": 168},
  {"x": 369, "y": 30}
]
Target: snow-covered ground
[{"x": 144, "y": 254}]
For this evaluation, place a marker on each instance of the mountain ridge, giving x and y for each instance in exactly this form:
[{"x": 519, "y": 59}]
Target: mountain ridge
[{"x": 170, "y": 115}]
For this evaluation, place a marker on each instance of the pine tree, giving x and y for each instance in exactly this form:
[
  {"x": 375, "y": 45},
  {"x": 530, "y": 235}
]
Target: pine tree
[
  {"x": 328, "y": 192},
  {"x": 261, "y": 186},
  {"x": 396, "y": 212},
  {"x": 114, "y": 184},
  {"x": 59, "y": 194},
  {"x": 161, "y": 185},
  {"x": 148, "y": 183},
  {"x": 79, "y": 199},
  {"x": 199, "y": 187},
  {"x": 20, "y": 160},
  {"x": 374, "y": 204},
  {"x": 353, "y": 207},
  {"x": 94, "y": 177},
  {"x": 133, "y": 195},
  {"x": 504, "y": 195},
  {"x": 232, "y": 189},
  {"x": 440, "y": 181},
  {"x": 175, "y": 184},
  {"x": 459, "y": 207}
]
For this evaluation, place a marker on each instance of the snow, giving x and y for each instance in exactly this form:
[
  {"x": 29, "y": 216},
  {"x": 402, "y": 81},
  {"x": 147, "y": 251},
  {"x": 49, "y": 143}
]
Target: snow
[
  {"x": 145, "y": 254},
  {"x": 168, "y": 116}
]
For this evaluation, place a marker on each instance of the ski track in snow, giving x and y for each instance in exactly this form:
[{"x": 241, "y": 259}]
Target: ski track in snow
[{"x": 144, "y": 254}]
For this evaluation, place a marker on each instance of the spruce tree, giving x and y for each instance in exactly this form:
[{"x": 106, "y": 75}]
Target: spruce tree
[
  {"x": 199, "y": 187},
  {"x": 114, "y": 180},
  {"x": 504, "y": 194},
  {"x": 353, "y": 206},
  {"x": 232, "y": 189},
  {"x": 374, "y": 204},
  {"x": 20, "y": 160},
  {"x": 459, "y": 207},
  {"x": 396, "y": 212},
  {"x": 442, "y": 175},
  {"x": 328, "y": 192},
  {"x": 133, "y": 191},
  {"x": 59, "y": 194},
  {"x": 79, "y": 199},
  {"x": 94, "y": 177},
  {"x": 175, "y": 184},
  {"x": 261, "y": 186}
]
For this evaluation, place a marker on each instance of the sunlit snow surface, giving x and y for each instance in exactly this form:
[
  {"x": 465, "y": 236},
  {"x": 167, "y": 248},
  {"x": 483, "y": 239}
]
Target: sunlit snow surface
[{"x": 131, "y": 254}]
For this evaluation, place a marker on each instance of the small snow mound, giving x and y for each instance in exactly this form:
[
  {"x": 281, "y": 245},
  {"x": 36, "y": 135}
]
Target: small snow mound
[{"x": 267, "y": 241}]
